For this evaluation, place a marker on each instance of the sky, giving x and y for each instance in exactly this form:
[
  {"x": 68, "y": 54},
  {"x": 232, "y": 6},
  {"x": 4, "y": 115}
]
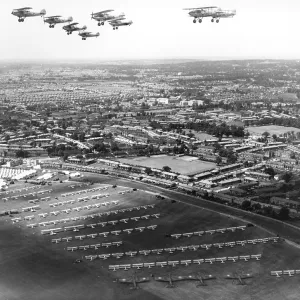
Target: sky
[{"x": 161, "y": 29}]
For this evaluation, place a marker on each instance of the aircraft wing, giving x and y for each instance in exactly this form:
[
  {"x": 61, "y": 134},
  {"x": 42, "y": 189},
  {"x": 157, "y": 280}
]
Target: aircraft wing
[
  {"x": 52, "y": 17},
  {"x": 229, "y": 276},
  {"x": 163, "y": 278},
  {"x": 206, "y": 7},
  {"x": 73, "y": 24},
  {"x": 244, "y": 276},
  {"x": 114, "y": 22},
  {"x": 105, "y": 11},
  {"x": 125, "y": 280},
  {"x": 179, "y": 278},
  {"x": 142, "y": 279},
  {"x": 23, "y": 8}
]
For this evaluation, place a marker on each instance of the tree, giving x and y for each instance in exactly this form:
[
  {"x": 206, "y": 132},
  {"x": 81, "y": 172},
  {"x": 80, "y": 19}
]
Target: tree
[
  {"x": 266, "y": 134},
  {"x": 284, "y": 213},
  {"x": 287, "y": 177},
  {"x": 148, "y": 170},
  {"x": 114, "y": 146},
  {"x": 166, "y": 168},
  {"x": 81, "y": 137},
  {"x": 274, "y": 136},
  {"x": 270, "y": 171},
  {"x": 246, "y": 205},
  {"x": 219, "y": 160},
  {"x": 22, "y": 153}
]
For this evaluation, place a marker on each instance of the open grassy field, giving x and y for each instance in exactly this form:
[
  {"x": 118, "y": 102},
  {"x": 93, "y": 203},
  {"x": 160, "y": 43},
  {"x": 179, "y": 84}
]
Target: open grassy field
[
  {"x": 184, "y": 165},
  {"x": 272, "y": 129},
  {"x": 32, "y": 267}
]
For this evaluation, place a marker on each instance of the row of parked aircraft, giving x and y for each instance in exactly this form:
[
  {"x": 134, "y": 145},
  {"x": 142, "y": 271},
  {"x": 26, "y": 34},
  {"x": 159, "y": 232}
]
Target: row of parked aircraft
[
  {"x": 170, "y": 279},
  {"x": 171, "y": 263},
  {"x": 101, "y": 17}
]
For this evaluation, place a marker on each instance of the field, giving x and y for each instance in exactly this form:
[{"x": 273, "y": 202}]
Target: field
[
  {"x": 185, "y": 165},
  {"x": 34, "y": 267},
  {"x": 272, "y": 129}
]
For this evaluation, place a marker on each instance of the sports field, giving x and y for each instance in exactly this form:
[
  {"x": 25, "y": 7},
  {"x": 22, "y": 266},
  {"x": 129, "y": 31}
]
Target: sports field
[
  {"x": 35, "y": 267},
  {"x": 272, "y": 129},
  {"x": 185, "y": 165}
]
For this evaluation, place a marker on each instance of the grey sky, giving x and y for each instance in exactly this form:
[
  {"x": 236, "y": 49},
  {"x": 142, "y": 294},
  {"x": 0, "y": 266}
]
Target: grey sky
[{"x": 161, "y": 29}]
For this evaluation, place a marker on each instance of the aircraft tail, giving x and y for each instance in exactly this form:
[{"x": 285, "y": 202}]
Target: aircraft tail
[
  {"x": 84, "y": 27},
  {"x": 70, "y": 19},
  {"x": 97, "y": 34},
  {"x": 43, "y": 12}
]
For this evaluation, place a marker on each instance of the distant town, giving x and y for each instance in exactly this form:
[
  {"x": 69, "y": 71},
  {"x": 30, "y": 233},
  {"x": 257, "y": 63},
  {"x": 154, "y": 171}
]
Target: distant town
[{"x": 224, "y": 131}]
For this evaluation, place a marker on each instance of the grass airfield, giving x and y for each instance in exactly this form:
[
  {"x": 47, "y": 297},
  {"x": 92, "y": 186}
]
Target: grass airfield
[{"x": 32, "y": 267}]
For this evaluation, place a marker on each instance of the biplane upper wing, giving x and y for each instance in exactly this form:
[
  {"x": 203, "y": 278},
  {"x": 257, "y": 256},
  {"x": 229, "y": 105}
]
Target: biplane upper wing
[
  {"x": 204, "y": 7},
  {"x": 23, "y": 8}
]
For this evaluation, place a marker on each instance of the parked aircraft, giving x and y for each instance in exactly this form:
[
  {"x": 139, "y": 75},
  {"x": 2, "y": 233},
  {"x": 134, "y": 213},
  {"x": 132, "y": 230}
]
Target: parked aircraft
[
  {"x": 104, "y": 256},
  {"x": 53, "y": 20},
  {"x": 114, "y": 222},
  {"x": 152, "y": 227},
  {"x": 117, "y": 255},
  {"x": 116, "y": 232},
  {"x": 238, "y": 278},
  {"x": 125, "y": 221},
  {"x": 145, "y": 252},
  {"x": 104, "y": 234},
  {"x": 140, "y": 229},
  {"x": 25, "y": 12},
  {"x": 170, "y": 279},
  {"x": 131, "y": 253},
  {"x": 201, "y": 278},
  {"x": 118, "y": 244}
]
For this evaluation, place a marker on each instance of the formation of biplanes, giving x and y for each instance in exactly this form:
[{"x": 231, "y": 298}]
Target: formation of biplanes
[
  {"x": 115, "y": 20},
  {"x": 70, "y": 232},
  {"x": 101, "y": 18}
]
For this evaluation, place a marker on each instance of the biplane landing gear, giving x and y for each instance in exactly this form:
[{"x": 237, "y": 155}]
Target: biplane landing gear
[
  {"x": 217, "y": 21},
  {"x": 194, "y": 21},
  {"x": 102, "y": 23},
  {"x": 99, "y": 24},
  {"x": 114, "y": 28},
  {"x": 21, "y": 20},
  {"x": 212, "y": 20},
  {"x": 51, "y": 26},
  {"x": 84, "y": 39},
  {"x": 117, "y": 27},
  {"x": 200, "y": 20}
]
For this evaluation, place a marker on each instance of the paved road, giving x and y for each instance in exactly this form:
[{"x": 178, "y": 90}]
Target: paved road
[{"x": 271, "y": 225}]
